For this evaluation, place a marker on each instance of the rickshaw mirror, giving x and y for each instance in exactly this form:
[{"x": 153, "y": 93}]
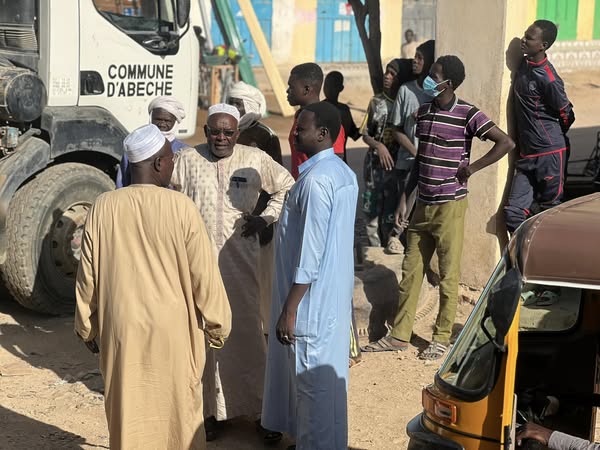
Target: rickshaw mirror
[{"x": 503, "y": 302}]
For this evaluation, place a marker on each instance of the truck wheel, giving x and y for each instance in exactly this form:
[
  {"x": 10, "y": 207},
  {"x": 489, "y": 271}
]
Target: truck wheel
[{"x": 44, "y": 229}]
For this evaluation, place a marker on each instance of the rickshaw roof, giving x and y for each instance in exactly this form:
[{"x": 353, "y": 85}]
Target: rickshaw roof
[{"x": 562, "y": 245}]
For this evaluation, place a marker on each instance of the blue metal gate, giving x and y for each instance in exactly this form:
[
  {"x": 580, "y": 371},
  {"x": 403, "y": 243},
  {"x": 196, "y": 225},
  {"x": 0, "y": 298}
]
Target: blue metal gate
[
  {"x": 264, "y": 13},
  {"x": 337, "y": 34}
]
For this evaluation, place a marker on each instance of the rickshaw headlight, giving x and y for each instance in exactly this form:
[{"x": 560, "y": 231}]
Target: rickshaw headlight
[{"x": 441, "y": 409}]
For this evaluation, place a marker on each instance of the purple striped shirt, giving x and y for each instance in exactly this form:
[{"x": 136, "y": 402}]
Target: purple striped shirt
[{"x": 445, "y": 136}]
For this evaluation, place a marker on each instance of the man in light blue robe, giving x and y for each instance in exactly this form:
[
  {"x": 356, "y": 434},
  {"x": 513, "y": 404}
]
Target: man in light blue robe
[{"x": 306, "y": 379}]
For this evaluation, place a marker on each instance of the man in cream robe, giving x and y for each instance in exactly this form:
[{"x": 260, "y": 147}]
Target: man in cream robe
[
  {"x": 225, "y": 179},
  {"x": 149, "y": 289}
]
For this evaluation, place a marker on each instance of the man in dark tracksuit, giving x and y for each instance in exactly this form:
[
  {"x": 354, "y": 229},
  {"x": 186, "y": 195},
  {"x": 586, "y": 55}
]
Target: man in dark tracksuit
[{"x": 543, "y": 115}]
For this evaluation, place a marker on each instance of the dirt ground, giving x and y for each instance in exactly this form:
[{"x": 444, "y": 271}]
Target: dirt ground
[{"x": 51, "y": 389}]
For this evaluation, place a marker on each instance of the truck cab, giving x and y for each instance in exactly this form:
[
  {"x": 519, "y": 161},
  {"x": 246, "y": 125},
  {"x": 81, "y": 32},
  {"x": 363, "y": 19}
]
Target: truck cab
[
  {"x": 75, "y": 79},
  {"x": 530, "y": 350}
]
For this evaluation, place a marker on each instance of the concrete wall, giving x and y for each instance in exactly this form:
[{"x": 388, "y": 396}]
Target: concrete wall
[
  {"x": 391, "y": 29},
  {"x": 481, "y": 39}
]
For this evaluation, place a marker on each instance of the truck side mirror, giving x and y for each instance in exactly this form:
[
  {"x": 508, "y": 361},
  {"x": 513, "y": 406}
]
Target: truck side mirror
[{"x": 183, "y": 12}]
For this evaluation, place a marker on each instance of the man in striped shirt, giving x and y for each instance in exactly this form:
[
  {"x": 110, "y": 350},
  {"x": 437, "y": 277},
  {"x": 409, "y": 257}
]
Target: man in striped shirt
[{"x": 445, "y": 127}]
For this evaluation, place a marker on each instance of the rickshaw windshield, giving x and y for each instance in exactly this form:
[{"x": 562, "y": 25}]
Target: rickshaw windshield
[{"x": 469, "y": 369}]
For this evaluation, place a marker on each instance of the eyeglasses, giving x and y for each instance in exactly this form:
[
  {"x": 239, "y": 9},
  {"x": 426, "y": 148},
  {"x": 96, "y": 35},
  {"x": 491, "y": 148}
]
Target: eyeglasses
[{"x": 226, "y": 133}]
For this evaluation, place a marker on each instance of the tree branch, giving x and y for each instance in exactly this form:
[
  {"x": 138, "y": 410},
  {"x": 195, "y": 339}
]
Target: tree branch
[{"x": 371, "y": 41}]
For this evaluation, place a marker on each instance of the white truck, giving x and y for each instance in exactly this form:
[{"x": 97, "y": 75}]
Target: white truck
[{"x": 75, "y": 77}]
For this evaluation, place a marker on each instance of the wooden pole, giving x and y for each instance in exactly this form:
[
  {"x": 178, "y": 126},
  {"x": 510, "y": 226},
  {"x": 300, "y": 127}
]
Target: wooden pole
[{"x": 266, "y": 57}]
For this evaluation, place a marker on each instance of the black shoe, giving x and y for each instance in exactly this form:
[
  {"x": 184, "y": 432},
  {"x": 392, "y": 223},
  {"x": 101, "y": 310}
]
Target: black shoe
[{"x": 211, "y": 427}]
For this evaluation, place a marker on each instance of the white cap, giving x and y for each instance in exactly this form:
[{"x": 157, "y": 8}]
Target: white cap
[
  {"x": 224, "y": 108},
  {"x": 143, "y": 142}
]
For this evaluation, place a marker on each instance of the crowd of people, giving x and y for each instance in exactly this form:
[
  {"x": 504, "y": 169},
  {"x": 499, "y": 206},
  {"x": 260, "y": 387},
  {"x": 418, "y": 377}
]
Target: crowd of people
[{"x": 215, "y": 284}]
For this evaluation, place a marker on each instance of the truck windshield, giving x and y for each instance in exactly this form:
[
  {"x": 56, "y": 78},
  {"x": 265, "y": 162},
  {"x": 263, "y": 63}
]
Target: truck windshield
[
  {"x": 138, "y": 16},
  {"x": 469, "y": 369}
]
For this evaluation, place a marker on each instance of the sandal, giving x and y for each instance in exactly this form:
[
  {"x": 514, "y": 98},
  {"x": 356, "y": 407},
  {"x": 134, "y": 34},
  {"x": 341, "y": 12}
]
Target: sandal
[
  {"x": 386, "y": 344},
  {"x": 394, "y": 246},
  {"x": 355, "y": 361},
  {"x": 548, "y": 298},
  {"x": 269, "y": 437},
  {"x": 434, "y": 351}
]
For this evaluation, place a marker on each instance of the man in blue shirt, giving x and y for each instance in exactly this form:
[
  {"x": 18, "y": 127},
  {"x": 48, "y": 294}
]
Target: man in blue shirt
[
  {"x": 166, "y": 112},
  {"x": 306, "y": 379}
]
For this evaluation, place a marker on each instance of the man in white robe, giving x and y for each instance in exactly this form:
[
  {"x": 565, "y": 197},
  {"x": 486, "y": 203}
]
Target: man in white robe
[{"x": 225, "y": 179}]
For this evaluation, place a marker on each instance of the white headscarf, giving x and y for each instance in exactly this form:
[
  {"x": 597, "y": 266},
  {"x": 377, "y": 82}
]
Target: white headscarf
[
  {"x": 143, "y": 142},
  {"x": 224, "y": 108},
  {"x": 254, "y": 103},
  {"x": 172, "y": 106}
]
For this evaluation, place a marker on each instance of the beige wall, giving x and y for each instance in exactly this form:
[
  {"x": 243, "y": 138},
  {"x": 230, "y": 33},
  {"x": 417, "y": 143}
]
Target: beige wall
[
  {"x": 305, "y": 33},
  {"x": 391, "y": 29},
  {"x": 481, "y": 39}
]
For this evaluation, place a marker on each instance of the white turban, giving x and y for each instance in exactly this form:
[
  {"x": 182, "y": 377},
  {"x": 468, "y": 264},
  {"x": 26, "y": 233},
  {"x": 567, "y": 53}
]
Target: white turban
[
  {"x": 169, "y": 104},
  {"x": 224, "y": 108},
  {"x": 143, "y": 142},
  {"x": 172, "y": 106},
  {"x": 254, "y": 103}
]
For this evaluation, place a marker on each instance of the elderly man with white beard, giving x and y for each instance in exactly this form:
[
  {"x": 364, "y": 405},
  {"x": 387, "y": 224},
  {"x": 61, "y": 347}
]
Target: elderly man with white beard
[{"x": 225, "y": 180}]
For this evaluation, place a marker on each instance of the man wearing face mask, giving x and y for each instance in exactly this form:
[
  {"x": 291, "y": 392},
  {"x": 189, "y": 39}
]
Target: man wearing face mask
[
  {"x": 446, "y": 127},
  {"x": 166, "y": 112},
  {"x": 225, "y": 180},
  {"x": 410, "y": 96}
]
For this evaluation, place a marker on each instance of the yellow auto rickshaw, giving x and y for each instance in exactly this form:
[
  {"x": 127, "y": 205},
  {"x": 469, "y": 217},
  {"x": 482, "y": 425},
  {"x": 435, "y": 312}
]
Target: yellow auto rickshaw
[{"x": 530, "y": 350}]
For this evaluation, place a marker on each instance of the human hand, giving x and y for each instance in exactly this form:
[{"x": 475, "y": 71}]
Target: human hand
[
  {"x": 214, "y": 338},
  {"x": 253, "y": 225},
  {"x": 285, "y": 327},
  {"x": 463, "y": 174},
  {"x": 385, "y": 157},
  {"x": 535, "y": 432}
]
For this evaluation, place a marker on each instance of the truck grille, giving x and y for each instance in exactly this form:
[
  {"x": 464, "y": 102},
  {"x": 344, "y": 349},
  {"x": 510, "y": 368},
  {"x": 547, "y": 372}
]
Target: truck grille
[{"x": 18, "y": 37}]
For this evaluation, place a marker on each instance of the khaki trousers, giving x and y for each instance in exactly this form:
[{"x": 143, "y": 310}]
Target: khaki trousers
[{"x": 433, "y": 228}]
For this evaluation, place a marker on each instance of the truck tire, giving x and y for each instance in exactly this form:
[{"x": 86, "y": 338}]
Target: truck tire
[{"x": 44, "y": 229}]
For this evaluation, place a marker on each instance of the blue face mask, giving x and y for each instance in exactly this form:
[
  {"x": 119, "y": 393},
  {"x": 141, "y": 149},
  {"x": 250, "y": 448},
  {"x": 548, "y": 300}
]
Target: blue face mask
[{"x": 429, "y": 86}]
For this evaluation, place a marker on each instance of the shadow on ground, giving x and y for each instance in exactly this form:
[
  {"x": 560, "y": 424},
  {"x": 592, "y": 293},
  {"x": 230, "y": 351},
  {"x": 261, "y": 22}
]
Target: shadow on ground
[{"x": 47, "y": 342}]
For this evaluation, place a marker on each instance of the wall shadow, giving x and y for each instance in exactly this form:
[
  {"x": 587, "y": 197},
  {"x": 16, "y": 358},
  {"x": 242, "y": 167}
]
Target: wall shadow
[{"x": 381, "y": 292}]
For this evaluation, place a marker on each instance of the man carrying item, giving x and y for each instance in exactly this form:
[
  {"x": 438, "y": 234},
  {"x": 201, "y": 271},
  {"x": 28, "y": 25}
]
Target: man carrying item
[
  {"x": 148, "y": 291},
  {"x": 445, "y": 127},
  {"x": 225, "y": 180},
  {"x": 251, "y": 104},
  {"x": 307, "y": 370}
]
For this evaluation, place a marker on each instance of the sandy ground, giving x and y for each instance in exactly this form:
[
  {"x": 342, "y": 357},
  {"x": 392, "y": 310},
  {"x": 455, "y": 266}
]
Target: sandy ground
[{"x": 51, "y": 390}]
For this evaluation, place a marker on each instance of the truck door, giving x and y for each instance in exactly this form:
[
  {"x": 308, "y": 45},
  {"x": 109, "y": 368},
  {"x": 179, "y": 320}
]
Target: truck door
[{"x": 131, "y": 52}]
